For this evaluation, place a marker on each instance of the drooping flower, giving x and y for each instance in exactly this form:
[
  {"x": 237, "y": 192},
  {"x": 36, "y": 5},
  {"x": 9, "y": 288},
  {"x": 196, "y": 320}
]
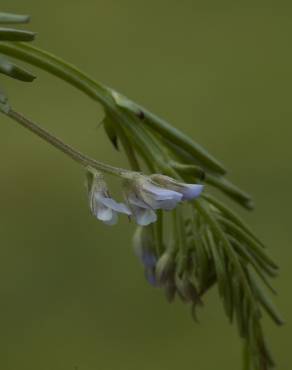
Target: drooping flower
[
  {"x": 144, "y": 197},
  {"x": 188, "y": 191},
  {"x": 144, "y": 248},
  {"x": 102, "y": 206},
  {"x": 145, "y": 194},
  {"x": 142, "y": 212}
]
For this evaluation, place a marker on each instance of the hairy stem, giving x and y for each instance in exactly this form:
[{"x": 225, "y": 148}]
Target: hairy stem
[{"x": 65, "y": 148}]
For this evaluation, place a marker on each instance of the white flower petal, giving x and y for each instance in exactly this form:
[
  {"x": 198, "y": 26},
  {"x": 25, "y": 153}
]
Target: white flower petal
[{"x": 104, "y": 213}]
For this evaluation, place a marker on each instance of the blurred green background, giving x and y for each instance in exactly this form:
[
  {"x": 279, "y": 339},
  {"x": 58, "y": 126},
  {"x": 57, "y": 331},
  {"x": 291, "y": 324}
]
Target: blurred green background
[{"x": 72, "y": 293}]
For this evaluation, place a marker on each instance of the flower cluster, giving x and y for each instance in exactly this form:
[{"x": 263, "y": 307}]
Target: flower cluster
[{"x": 143, "y": 196}]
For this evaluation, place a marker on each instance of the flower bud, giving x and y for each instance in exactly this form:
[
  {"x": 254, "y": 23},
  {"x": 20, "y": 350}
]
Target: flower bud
[
  {"x": 165, "y": 268},
  {"x": 144, "y": 246},
  {"x": 187, "y": 290},
  {"x": 150, "y": 277}
]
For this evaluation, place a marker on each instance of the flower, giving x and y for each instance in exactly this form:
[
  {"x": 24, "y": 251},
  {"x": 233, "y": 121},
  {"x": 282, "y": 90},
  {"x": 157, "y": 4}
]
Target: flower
[
  {"x": 144, "y": 196},
  {"x": 144, "y": 248},
  {"x": 188, "y": 191},
  {"x": 102, "y": 206},
  {"x": 141, "y": 211}
]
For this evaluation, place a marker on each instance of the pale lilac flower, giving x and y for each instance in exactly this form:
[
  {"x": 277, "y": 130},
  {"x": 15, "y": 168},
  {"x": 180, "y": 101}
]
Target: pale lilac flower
[
  {"x": 102, "y": 206},
  {"x": 143, "y": 214},
  {"x": 158, "y": 197},
  {"x": 144, "y": 196},
  {"x": 188, "y": 191},
  {"x": 144, "y": 247},
  {"x": 151, "y": 277}
]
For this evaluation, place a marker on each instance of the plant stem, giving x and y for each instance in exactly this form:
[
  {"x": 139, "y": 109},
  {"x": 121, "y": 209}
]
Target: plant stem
[
  {"x": 65, "y": 148},
  {"x": 104, "y": 95}
]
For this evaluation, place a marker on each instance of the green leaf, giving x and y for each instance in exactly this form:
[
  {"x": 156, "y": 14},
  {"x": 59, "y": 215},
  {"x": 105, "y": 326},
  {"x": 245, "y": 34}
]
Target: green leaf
[
  {"x": 221, "y": 238},
  {"x": 222, "y": 272},
  {"x": 189, "y": 171},
  {"x": 168, "y": 131},
  {"x": 238, "y": 294},
  {"x": 201, "y": 255},
  {"x": 14, "y": 71},
  {"x": 249, "y": 258},
  {"x": 110, "y": 130},
  {"x": 219, "y": 263},
  {"x": 265, "y": 300},
  {"x": 240, "y": 234},
  {"x": 228, "y": 213},
  {"x": 8, "y": 18},
  {"x": 9, "y": 34},
  {"x": 230, "y": 190}
]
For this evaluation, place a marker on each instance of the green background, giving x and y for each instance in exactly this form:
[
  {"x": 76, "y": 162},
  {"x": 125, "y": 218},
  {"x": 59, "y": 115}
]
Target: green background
[{"x": 72, "y": 293}]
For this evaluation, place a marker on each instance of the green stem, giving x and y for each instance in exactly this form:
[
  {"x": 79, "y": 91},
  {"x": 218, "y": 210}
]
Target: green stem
[
  {"x": 81, "y": 81},
  {"x": 65, "y": 148},
  {"x": 102, "y": 94},
  {"x": 59, "y": 68}
]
